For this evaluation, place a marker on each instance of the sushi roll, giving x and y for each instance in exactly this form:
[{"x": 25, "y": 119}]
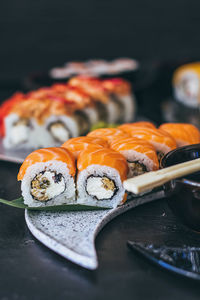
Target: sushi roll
[
  {"x": 126, "y": 126},
  {"x": 109, "y": 109},
  {"x": 64, "y": 123},
  {"x": 186, "y": 84},
  {"x": 120, "y": 92},
  {"x": 67, "y": 117},
  {"x": 47, "y": 177},
  {"x": 23, "y": 124},
  {"x": 101, "y": 173},
  {"x": 109, "y": 134},
  {"x": 161, "y": 140},
  {"x": 184, "y": 134},
  {"x": 140, "y": 155},
  {"x": 6, "y": 107},
  {"x": 45, "y": 122},
  {"x": 82, "y": 99},
  {"x": 76, "y": 145}
]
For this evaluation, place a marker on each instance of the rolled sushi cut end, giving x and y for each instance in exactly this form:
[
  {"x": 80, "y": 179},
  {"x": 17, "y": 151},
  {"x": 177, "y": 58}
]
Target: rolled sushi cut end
[
  {"x": 115, "y": 110},
  {"x": 59, "y": 131},
  {"x": 129, "y": 104},
  {"x": 47, "y": 184},
  {"x": 100, "y": 186},
  {"x": 62, "y": 128},
  {"x": 21, "y": 133}
]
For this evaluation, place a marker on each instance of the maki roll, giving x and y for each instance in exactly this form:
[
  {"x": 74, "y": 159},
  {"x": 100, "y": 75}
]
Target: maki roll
[
  {"x": 109, "y": 134},
  {"x": 161, "y": 140},
  {"x": 6, "y": 107},
  {"x": 76, "y": 145},
  {"x": 186, "y": 84},
  {"x": 66, "y": 116},
  {"x": 120, "y": 92},
  {"x": 23, "y": 124},
  {"x": 47, "y": 177},
  {"x": 109, "y": 109},
  {"x": 126, "y": 126},
  {"x": 35, "y": 123},
  {"x": 184, "y": 134},
  {"x": 140, "y": 155},
  {"x": 82, "y": 99},
  {"x": 93, "y": 87},
  {"x": 101, "y": 173}
]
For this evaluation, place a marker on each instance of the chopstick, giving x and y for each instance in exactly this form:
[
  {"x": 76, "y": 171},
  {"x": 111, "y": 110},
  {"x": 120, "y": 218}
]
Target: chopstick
[{"x": 147, "y": 181}]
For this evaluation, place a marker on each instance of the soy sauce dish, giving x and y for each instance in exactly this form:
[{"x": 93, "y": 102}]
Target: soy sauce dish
[{"x": 183, "y": 194}]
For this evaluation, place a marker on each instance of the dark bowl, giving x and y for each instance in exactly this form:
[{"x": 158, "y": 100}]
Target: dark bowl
[{"x": 183, "y": 194}]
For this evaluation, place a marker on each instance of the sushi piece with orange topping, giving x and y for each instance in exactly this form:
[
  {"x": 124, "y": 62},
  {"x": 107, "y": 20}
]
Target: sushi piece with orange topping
[
  {"x": 47, "y": 177},
  {"x": 101, "y": 173},
  {"x": 162, "y": 141},
  {"x": 109, "y": 134},
  {"x": 127, "y": 126},
  {"x": 140, "y": 155},
  {"x": 109, "y": 107},
  {"x": 184, "y": 134},
  {"x": 78, "y": 144},
  {"x": 120, "y": 91},
  {"x": 186, "y": 84}
]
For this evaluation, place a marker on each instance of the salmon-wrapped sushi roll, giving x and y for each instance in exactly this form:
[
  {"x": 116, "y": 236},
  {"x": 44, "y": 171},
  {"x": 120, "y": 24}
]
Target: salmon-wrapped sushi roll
[
  {"x": 109, "y": 134},
  {"x": 128, "y": 126},
  {"x": 66, "y": 117},
  {"x": 101, "y": 173},
  {"x": 75, "y": 94},
  {"x": 76, "y": 145},
  {"x": 120, "y": 91},
  {"x": 161, "y": 140},
  {"x": 109, "y": 109},
  {"x": 23, "y": 124},
  {"x": 47, "y": 177},
  {"x": 140, "y": 155},
  {"x": 184, "y": 134}
]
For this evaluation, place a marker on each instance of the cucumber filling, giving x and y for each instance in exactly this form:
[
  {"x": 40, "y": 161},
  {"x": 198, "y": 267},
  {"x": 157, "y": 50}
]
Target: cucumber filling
[
  {"x": 101, "y": 188},
  {"x": 47, "y": 185}
]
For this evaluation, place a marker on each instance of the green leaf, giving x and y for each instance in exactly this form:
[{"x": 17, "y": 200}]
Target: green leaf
[
  {"x": 19, "y": 203},
  {"x": 103, "y": 125}
]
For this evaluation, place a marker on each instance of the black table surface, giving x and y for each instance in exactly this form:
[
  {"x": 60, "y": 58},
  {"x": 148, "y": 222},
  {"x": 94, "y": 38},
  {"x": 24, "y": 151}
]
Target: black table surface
[{"x": 29, "y": 270}]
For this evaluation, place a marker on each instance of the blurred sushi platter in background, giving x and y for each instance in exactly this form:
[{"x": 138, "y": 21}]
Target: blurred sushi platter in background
[
  {"x": 81, "y": 96},
  {"x": 51, "y": 115}
]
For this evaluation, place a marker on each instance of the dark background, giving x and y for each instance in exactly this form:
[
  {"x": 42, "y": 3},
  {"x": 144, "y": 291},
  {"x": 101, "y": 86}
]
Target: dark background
[{"x": 36, "y": 35}]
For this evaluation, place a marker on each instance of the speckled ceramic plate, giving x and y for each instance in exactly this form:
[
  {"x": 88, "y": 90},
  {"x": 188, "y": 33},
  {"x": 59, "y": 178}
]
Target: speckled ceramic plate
[{"x": 72, "y": 234}]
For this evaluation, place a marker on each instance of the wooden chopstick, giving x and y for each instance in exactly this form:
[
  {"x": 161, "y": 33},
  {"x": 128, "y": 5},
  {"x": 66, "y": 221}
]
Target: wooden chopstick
[{"x": 150, "y": 180}]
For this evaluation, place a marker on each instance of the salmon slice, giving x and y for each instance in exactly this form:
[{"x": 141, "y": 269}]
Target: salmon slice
[
  {"x": 128, "y": 126},
  {"x": 117, "y": 85},
  {"x": 45, "y": 155},
  {"x": 109, "y": 134},
  {"x": 161, "y": 140},
  {"x": 92, "y": 86},
  {"x": 141, "y": 150},
  {"x": 78, "y": 144},
  {"x": 103, "y": 157},
  {"x": 184, "y": 134}
]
